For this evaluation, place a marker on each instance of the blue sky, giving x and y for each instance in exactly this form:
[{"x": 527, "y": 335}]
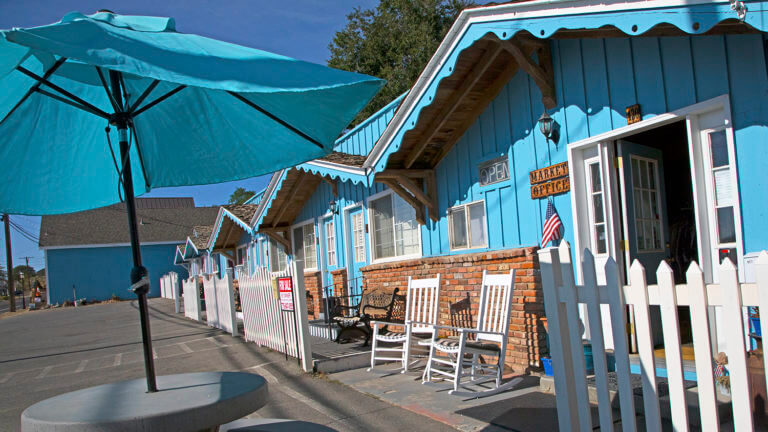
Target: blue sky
[{"x": 297, "y": 28}]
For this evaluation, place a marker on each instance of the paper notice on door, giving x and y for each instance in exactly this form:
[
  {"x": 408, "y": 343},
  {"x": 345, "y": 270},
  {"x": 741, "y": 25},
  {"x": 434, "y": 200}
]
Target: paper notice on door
[{"x": 723, "y": 188}]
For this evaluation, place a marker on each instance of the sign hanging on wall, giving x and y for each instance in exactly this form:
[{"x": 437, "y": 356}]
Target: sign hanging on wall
[
  {"x": 549, "y": 173},
  {"x": 494, "y": 171},
  {"x": 285, "y": 286},
  {"x": 634, "y": 114},
  {"x": 551, "y": 180},
  {"x": 554, "y": 187}
]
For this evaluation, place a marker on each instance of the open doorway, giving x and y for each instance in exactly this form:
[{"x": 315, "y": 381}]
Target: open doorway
[
  {"x": 657, "y": 199},
  {"x": 657, "y": 208}
]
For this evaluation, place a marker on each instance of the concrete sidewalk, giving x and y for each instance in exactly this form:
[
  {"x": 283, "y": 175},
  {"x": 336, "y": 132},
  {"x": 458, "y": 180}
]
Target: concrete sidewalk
[{"x": 523, "y": 408}]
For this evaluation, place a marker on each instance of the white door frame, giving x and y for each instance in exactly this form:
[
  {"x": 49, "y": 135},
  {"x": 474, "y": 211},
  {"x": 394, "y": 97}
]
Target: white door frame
[{"x": 690, "y": 115}]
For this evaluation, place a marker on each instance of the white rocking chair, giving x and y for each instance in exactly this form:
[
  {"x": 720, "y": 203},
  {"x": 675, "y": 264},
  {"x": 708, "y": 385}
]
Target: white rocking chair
[
  {"x": 490, "y": 340},
  {"x": 421, "y": 309}
]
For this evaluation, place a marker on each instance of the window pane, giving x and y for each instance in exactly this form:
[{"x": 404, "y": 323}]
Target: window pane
[
  {"x": 652, "y": 175},
  {"x": 726, "y": 226},
  {"x": 723, "y": 187},
  {"x": 298, "y": 248},
  {"x": 597, "y": 203},
  {"x": 600, "y": 231},
  {"x": 719, "y": 147},
  {"x": 636, "y": 173},
  {"x": 597, "y": 184},
  {"x": 477, "y": 225},
  {"x": 458, "y": 223},
  {"x": 310, "y": 254},
  {"x": 383, "y": 229},
  {"x": 358, "y": 237},
  {"x": 657, "y": 235},
  {"x": 406, "y": 228},
  {"x": 643, "y": 166},
  {"x": 654, "y": 206},
  {"x": 640, "y": 234}
]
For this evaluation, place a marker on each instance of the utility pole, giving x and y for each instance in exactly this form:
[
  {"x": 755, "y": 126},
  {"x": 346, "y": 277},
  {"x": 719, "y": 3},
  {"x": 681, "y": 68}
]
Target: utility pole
[
  {"x": 9, "y": 263},
  {"x": 25, "y": 285}
]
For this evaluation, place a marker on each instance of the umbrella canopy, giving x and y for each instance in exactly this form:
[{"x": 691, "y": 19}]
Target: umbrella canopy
[{"x": 200, "y": 111}]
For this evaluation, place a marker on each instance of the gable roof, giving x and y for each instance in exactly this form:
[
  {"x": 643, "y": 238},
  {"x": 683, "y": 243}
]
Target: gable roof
[
  {"x": 540, "y": 20},
  {"x": 109, "y": 225},
  {"x": 230, "y": 217}
]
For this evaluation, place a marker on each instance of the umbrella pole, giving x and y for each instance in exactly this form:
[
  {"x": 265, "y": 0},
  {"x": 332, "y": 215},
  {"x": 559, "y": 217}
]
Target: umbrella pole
[{"x": 139, "y": 274}]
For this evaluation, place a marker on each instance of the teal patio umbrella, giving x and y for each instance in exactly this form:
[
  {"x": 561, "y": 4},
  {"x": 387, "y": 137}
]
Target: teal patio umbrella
[{"x": 98, "y": 109}]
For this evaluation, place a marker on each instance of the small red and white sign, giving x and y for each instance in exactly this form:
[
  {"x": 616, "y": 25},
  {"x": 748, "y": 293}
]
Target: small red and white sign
[{"x": 285, "y": 287}]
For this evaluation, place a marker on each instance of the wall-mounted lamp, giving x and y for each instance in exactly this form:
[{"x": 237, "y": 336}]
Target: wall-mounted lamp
[
  {"x": 549, "y": 128},
  {"x": 333, "y": 206}
]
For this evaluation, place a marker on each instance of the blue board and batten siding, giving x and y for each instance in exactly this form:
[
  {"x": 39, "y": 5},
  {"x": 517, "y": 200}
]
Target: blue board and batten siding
[
  {"x": 595, "y": 80},
  {"x": 99, "y": 273},
  {"x": 360, "y": 139}
]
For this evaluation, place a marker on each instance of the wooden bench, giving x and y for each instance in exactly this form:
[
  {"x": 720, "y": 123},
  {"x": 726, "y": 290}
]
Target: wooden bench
[{"x": 373, "y": 306}]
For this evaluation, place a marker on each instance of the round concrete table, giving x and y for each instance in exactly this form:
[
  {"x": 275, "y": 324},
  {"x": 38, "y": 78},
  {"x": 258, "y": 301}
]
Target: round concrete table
[{"x": 185, "y": 402}]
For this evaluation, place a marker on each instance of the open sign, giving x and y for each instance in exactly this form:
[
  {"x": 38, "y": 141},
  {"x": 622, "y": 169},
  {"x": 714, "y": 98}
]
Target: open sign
[{"x": 494, "y": 171}]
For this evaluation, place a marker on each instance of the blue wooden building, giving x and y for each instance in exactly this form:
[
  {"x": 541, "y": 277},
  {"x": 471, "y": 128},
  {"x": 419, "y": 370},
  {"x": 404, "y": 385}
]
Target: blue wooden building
[
  {"x": 88, "y": 254},
  {"x": 659, "y": 110}
]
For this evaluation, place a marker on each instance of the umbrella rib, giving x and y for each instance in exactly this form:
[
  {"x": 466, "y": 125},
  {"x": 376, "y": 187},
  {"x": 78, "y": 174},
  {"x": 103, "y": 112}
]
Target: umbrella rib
[
  {"x": 158, "y": 100},
  {"x": 276, "y": 118},
  {"x": 42, "y": 80},
  {"x": 144, "y": 95},
  {"x": 69, "y": 102},
  {"x": 106, "y": 89},
  {"x": 32, "y": 89},
  {"x": 138, "y": 152}
]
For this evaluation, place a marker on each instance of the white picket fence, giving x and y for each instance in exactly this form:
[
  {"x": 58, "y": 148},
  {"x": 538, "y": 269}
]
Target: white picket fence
[
  {"x": 192, "y": 299},
  {"x": 562, "y": 298},
  {"x": 220, "y": 303},
  {"x": 263, "y": 320},
  {"x": 170, "y": 289}
]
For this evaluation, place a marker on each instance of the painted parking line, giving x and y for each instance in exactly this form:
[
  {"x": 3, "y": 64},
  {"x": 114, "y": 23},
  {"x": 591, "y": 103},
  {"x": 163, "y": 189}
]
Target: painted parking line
[
  {"x": 118, "y": 360},
  {"x": 6, "y": 377},
  {"x": 216, "y": 342},
  {"x": 81, "y": 366},
  {"x": 185, "y": 348},
  {"x": 44, "y": 372}
]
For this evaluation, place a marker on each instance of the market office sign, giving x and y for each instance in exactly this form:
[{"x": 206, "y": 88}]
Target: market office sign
[{"x": 551, "y": 180}]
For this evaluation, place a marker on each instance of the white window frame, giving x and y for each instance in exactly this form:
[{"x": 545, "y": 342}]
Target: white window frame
[
  {"x": 691, "y": 115},
  {"x": 237, "y": 255},
  {"x": 592, "y": 220},
  {"x": 301, "y": 225},
  {"x": 469, "y": 228},
  {"x": 349, "y": 233},
  {"x": 372, "y": 246},
  {"x": 330, "y": 246},
  {"x": 658, "y": 204},
  {"x": 277, "y": 246}
]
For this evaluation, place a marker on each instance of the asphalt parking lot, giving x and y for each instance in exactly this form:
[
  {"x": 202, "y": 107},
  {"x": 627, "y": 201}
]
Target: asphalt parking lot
[{"x": 49, "y": 352}]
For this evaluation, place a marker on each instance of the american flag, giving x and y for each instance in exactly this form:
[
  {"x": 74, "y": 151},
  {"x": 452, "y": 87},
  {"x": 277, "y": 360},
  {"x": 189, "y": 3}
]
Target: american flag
[{"x": 551, "y": 226}]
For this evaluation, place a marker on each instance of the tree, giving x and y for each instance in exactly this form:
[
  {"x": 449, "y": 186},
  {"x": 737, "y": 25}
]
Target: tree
[
  {"x": 240, "y": 195},
  {"x": 394, "y": 42}
]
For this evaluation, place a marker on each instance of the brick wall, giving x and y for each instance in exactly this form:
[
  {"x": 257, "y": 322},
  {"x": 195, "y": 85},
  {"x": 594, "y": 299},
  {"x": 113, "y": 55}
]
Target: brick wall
[
  {"x": 339, "y": 282},
  {"x": 461, "y": 278},
  {"x": 313, "y": 283}
]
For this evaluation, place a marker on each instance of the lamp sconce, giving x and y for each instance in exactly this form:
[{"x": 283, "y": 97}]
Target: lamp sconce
[
  {"x": 549, "y": 128},
  {"x": 333, "y": 206}
]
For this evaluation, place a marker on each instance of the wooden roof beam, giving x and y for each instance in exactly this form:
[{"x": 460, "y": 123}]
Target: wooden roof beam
[
  {"x": 274, "y": 234},
  {"x": 469, "y": 118},
  {"x": 541, "y": 72},
  {"x": 428, "y": 200},
  {"x": 289, "y": 196},
  {"x": 451, "y": 104},
  {"x": 333, "y": 184},
  {"x": 407, "y": 197}
]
